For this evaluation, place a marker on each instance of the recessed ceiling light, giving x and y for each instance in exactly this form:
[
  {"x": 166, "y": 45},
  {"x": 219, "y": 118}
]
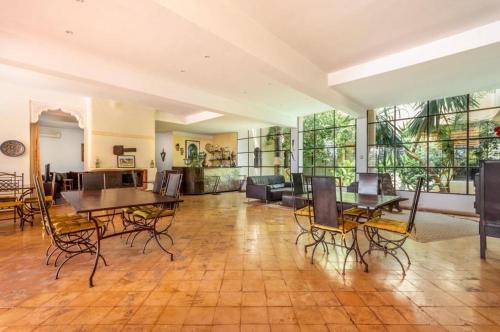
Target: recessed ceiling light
[
  {"x": 182, "y": 71},
  {"x": 82, "y": 1},
  {"x": 207, "y": 56},
  {"x": 69, "y": 32}
]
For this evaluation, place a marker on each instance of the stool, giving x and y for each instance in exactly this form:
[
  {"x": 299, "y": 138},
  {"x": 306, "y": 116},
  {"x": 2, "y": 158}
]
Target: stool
[{"x": 67, "y": 184}]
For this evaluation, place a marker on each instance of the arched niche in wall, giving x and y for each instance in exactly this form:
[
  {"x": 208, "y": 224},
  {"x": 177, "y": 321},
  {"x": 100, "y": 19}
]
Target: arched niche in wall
[{"x": 37, "y": 108}]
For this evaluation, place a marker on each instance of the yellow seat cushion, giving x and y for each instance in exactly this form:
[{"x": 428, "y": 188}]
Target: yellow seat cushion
[
  {"x": 390, "y": 225},
  {"x": 34, "y": 200},
  {"x": 7, "y": 198},
  {"x": 138, "y": 208},
  {"x": 150, "y": 212},
  {"x": 305, "y": 212},
  {"x": 360, "y": 212},
  {"x": 10, "y": 204},
  {"x": 72, "y": 223},
  {"x": 345, "y": 226}
]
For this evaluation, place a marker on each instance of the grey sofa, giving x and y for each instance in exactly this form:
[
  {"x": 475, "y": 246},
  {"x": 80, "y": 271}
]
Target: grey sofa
[{"x": 267, "y": 188}]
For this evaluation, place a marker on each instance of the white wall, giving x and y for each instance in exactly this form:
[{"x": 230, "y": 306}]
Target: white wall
[
  {"x": 15, "y": 119},
  {"x": 14, "y": 125},
  {"x": 442, "y": 202},
  {"x": 164, "y": 141},
  {"x": 117, "y": 123},
  {"x": 63, "y": 153}
]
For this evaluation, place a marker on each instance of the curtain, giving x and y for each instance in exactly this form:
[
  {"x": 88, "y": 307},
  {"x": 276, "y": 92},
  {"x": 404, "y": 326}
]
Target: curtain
[{"x": 34, "y": 150}]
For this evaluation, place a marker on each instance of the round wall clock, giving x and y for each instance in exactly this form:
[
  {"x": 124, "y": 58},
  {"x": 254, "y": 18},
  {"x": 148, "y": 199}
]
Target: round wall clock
[{"x": 12, "y": 148}]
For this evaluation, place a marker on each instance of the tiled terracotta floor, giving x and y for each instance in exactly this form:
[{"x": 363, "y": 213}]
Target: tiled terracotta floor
[{"x": 237, "y": 268}]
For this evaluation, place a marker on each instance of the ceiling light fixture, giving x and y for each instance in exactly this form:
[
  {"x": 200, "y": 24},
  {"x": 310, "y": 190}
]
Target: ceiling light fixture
[
  {"x": 69, "y": 32},
  {"x": 207, "y": 56},
  {"x": 182, "y": 71}
]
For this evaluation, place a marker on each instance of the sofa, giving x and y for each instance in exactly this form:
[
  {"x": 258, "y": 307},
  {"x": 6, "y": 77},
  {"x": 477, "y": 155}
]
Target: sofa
[{"x": 267, "y": 188}]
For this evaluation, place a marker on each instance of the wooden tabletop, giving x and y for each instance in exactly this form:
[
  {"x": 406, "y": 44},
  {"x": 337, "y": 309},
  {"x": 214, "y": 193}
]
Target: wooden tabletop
[
  {"x": 360, "y": 200},
  {"x": 98, "y": 200}
]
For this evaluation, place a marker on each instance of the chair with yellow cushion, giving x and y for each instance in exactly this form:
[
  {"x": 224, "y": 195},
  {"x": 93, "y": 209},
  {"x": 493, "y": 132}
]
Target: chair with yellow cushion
[
  {"x": 389, "y": 235},
  {"x": 10, "y": 184},
  {"x": 301, "y": 207},
  {"x": 30, "y": 206},
  {"x": 152, "y": 215},
  {"x": 71, "y": 235},
  {"x": 368, "y": 184},
  {"x": 326, "y": 218}
]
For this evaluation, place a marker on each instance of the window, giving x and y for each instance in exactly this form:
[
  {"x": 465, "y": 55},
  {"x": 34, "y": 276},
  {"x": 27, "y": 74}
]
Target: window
[
  {"x": 264, "y": 151},
  {"x": 443, "y": 140},
  {"x": 327, "y": 145}
]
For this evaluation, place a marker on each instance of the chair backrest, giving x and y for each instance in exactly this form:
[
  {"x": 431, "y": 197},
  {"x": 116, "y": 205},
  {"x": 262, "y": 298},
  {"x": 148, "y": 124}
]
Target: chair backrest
[
  {"x": 414, "y": 205},
  {"x": 297, "y": 184},
  {"x": 173, "y": 187},
  {"x": 44, "y": 212},
  {"x": 9, "y": 184},
  {"x": 386, "y": 185},
  {"x": 489, "y": 188},
  {"x": 324, "y": 201},
  {"x": 368, "y": 184},
  {"x": 93, "y": 181},
  {"x": 159, "y": 181}
]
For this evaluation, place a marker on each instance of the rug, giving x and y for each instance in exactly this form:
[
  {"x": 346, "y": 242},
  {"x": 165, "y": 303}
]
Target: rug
[{"x": 432, "y": 227}]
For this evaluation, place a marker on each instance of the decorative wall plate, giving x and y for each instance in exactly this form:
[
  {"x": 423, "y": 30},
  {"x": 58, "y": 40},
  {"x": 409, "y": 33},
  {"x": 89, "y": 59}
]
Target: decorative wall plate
[{"x": 12, "y": 148}]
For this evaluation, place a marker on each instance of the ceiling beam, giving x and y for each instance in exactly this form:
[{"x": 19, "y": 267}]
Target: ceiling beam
[
  {"x": 265, "y": 51},
  {"x": 54, "y": 59},
  {"x": 471, "y": 39}
]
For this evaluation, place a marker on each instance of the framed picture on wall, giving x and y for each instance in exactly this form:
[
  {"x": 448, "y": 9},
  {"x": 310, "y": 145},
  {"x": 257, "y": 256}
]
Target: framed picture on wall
[
  {"x": 192, "y": 149},
  {"x": 125, "y": 161}
]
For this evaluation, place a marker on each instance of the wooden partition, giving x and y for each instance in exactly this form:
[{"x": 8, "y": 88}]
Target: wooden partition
[{"x": 489, "y": 202}]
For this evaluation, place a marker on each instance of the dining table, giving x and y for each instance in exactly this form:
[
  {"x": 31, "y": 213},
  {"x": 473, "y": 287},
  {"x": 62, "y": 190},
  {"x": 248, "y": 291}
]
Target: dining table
[
  {"x": 91, "y": 202},
  {"x": 369, "y": 202}
]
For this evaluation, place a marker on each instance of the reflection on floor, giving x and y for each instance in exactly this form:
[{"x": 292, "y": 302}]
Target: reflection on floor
[{"x": 237, "y": 268}]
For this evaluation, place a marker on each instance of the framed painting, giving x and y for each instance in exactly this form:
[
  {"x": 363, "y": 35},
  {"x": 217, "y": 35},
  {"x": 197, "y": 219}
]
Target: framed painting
[
  {"x": 125, "y": 161},
  {"x": 192, "y": 149}
]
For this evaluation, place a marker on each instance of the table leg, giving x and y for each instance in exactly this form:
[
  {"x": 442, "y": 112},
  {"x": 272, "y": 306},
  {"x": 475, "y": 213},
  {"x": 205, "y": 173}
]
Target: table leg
[{"x": 98, "y": 250}]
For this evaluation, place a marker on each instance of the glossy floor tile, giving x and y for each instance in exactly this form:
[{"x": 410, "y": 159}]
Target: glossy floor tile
[{"x": 237, "y": 268}]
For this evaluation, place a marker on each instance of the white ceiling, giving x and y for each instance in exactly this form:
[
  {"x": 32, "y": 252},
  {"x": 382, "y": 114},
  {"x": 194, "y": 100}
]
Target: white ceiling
[
  {"x": 335, "y": 34},
  {"x": 256, "y": 62}
]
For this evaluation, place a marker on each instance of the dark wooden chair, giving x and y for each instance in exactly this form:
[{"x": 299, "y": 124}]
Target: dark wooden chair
[
  {"x": 301, "y": 210},
  {"x": 489, "y": 202},
  {"x": 376, "y": 231},
  {"x": 368, "y": 184},
  {"x": 326, "y": 218}
]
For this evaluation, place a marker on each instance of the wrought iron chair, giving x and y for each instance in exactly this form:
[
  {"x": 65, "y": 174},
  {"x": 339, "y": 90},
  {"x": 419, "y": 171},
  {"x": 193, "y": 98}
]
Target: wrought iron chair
[
  {"x": 10, "y": 185},
  {"x": 389, "y": 235},
  {"x": 326, "y": 218},
  {"x": 151, "y": 215},
  {"x": 300, "y": 209},
  {"x": 71, "y": 235},
  {"x": 368, "y": 184},
  {"x": 30, "y": 205},
  {"x": 159, "y": 186}
]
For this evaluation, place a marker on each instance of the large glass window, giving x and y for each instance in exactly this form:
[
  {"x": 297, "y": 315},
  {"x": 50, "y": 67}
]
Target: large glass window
[
  {"x": 327, "y": 145},
  {"x": 443, "y": 140},
  {"x": 264, "y": 151}
]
